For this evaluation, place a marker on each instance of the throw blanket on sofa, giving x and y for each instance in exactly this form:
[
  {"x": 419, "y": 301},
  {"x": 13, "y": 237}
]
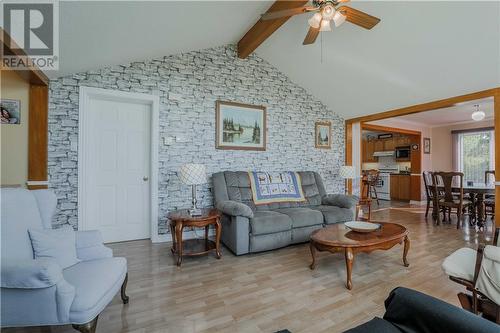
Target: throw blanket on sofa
[{"x": 271, "y": 187}]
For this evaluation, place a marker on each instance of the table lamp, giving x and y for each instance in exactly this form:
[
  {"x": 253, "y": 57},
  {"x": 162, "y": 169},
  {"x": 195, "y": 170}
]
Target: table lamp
[
  {"x": 193, "y": 174},
  {"x": 347, "y": 172}
]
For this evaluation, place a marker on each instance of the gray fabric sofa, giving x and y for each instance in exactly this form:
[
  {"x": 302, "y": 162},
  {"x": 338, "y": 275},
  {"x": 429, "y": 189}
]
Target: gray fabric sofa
[{"x": 249, "y": 228}]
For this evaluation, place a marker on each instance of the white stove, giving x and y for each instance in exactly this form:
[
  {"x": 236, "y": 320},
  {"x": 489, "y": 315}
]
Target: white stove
[{"x": 384, "y": 183}]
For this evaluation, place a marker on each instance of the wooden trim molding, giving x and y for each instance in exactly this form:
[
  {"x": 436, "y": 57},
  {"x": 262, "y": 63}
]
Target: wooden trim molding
[
  {"x": 439, "y": 104},
  {"x": 38, "y": 135},
  {"x": 37, "y": 114},
  {"x": 34, "y": 76},
  {"x": 388, "y": 129},
  {"x": 348, "y": 153}
]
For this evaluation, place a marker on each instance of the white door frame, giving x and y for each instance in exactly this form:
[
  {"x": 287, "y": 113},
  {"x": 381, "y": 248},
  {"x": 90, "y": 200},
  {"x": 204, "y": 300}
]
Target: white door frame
[{"x": 122, "y": 96}]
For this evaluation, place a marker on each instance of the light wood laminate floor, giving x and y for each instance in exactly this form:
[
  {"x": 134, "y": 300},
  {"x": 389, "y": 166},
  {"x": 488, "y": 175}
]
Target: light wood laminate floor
[{"x": 275, "y": 290}]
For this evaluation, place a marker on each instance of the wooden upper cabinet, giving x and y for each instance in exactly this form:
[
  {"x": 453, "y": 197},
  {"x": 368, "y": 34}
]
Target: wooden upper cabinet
[
  {"x": 401, "y": 140},
  {"x": 368, "y": 150},
  {"x": 389, "y": 144},
  {"x": 379, "y": 145}
]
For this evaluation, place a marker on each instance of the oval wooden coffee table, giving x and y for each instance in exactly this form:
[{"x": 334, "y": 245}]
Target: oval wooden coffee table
[{"x": 339, "y": 238}]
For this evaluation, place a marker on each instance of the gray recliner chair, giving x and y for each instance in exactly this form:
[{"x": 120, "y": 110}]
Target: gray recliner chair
[{"x": 247, "y": 227}]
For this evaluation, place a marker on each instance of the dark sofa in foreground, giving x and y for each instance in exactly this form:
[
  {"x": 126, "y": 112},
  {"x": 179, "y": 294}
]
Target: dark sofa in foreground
[{"x": 410, "y": 311}]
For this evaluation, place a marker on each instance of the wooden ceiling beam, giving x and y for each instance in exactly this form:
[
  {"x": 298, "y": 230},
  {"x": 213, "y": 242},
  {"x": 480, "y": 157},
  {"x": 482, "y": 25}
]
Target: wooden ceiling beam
[
  {"x": 33, "y": 76},
  {"x": 263, "y": 29}
]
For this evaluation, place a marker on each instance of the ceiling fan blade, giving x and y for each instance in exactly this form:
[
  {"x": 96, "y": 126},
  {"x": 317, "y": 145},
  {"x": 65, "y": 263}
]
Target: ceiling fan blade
[
  {"x": 311, "y": 36},
  {"x": 287, "y": 13},
  {"x": 359, "y": 18}
]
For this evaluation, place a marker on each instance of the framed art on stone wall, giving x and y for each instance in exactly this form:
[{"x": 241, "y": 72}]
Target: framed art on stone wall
[
  {"x": 240, "y": 126},
  {"x": 323, "y": 134},
  {"x": 10, "y": 111}
]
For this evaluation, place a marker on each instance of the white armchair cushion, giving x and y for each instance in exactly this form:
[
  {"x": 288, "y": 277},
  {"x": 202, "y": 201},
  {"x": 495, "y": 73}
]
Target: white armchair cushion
[
  {"x": 488, "y": 281},
  {"x": 461, "y": 264},
  {"x": 59, "y": 244},
  {"x": 89, "y": 245}
]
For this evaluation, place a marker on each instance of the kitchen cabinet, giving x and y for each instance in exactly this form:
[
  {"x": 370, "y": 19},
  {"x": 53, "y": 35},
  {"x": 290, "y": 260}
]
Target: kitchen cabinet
[
  {"x": 400, "y": 187},
  {"x": 401, "y": 141},
  {"x": 368, "y": 150},
  {"x": 389, "y": 144},
  {"x": 379, "y": 145}
]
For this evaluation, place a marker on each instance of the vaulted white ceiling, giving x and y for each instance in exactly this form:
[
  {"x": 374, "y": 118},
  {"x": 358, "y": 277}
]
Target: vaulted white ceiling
[{"x": 420, "y": 51}]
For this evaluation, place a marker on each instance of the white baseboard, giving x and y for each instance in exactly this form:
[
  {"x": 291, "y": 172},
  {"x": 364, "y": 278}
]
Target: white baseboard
[
  {"x": 190, "y": 234},
  {"x": 418, "y": 203}
]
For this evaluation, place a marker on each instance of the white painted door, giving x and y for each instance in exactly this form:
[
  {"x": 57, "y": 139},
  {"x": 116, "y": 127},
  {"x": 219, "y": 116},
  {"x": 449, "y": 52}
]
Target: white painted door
[{"x": 116, "y": 169}]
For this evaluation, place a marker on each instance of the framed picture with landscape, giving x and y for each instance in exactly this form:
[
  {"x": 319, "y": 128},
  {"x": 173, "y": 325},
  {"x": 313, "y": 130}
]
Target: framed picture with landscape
[
  {"x": 323, "y": 134},
  {"x": 240, "y": 126}
]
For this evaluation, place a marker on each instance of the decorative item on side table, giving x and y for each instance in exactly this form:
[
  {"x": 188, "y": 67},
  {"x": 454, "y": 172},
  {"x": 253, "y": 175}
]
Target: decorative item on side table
[
  {"x": 180, "y": 219},
  {"x": 240, "y": 126},
  {"x": 323, "y": 134},
  {"x": 347, "y": 172},
  {"x": 193, "y": 174}
]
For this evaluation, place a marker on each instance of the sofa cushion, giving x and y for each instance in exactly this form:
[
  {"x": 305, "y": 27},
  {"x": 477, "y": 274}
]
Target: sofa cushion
[
  {"x": 268, "y": 222},
  {"x": 334, "y": 214},
  {"x": 93, "y": 279},
  {"x": 302, "y": 216}
]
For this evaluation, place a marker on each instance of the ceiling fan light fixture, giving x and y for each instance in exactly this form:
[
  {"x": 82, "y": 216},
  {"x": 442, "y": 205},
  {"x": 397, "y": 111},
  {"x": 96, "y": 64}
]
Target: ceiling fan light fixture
[
  {"x": 338, "y": 18},
  {"x": 325, "y": 26},
  {"x": 478, "y": 115},
  {"x": 315, "y": 21},
  {"x": 328, "y": 12}
]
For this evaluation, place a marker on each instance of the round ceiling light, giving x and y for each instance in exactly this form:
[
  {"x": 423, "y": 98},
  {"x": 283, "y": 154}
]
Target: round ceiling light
[{"x": 478, "y": 115}]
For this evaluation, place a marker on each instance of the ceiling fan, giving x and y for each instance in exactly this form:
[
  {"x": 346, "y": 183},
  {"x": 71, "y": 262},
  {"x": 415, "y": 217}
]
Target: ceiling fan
[{"x": 325, "y": 11}]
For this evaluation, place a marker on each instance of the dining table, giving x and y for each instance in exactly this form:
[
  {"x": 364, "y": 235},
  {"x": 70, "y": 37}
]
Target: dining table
[{"x": 477, "y": 193}]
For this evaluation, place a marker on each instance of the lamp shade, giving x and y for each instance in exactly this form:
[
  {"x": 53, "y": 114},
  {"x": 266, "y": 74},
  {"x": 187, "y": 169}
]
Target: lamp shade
[
  {"x": 347, "y": 172},
  {"x": 193, "y": 174}
]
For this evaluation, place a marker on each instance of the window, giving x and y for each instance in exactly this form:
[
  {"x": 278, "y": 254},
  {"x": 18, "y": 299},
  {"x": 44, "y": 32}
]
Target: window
[{"x": 476, "y": 153}]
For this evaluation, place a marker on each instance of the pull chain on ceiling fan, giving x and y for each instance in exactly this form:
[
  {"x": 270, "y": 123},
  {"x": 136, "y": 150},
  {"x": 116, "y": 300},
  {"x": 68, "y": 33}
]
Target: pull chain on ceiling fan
[{"x": 326, "y": 11}]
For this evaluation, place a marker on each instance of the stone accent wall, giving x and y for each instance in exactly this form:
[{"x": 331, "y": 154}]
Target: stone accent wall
[{"x": 188, "y": 85}]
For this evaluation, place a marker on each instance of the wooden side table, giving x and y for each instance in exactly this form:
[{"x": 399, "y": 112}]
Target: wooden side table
[{"x": 180, "y": 219}]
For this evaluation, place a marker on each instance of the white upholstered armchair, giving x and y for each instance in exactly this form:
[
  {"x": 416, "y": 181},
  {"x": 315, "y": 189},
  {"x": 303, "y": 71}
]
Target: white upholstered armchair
[
  {"x": 38, "y": 291},
  {"x": 479, "y": 272}
]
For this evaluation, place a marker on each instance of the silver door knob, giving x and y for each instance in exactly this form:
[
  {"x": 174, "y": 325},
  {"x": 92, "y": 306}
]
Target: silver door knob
[{"x": 145, "y": 178}]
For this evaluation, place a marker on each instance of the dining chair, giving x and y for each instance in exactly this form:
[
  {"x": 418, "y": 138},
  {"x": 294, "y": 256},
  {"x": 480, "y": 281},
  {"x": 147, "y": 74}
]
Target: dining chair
[
  {"x": 429, "y": 190},
  {"x": 373, "y": 177},
  {"x": 450, "y": 199},
  {"x": 479, "y": 272},
  {"x": 489, "y": 199}
]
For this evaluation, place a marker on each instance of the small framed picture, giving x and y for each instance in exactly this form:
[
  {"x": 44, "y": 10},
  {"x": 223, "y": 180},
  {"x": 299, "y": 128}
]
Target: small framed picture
[
  {"x": 10, "y": 111},
  {"x": 323, "y": 135},
  {"x": 427, "y": 145}
]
